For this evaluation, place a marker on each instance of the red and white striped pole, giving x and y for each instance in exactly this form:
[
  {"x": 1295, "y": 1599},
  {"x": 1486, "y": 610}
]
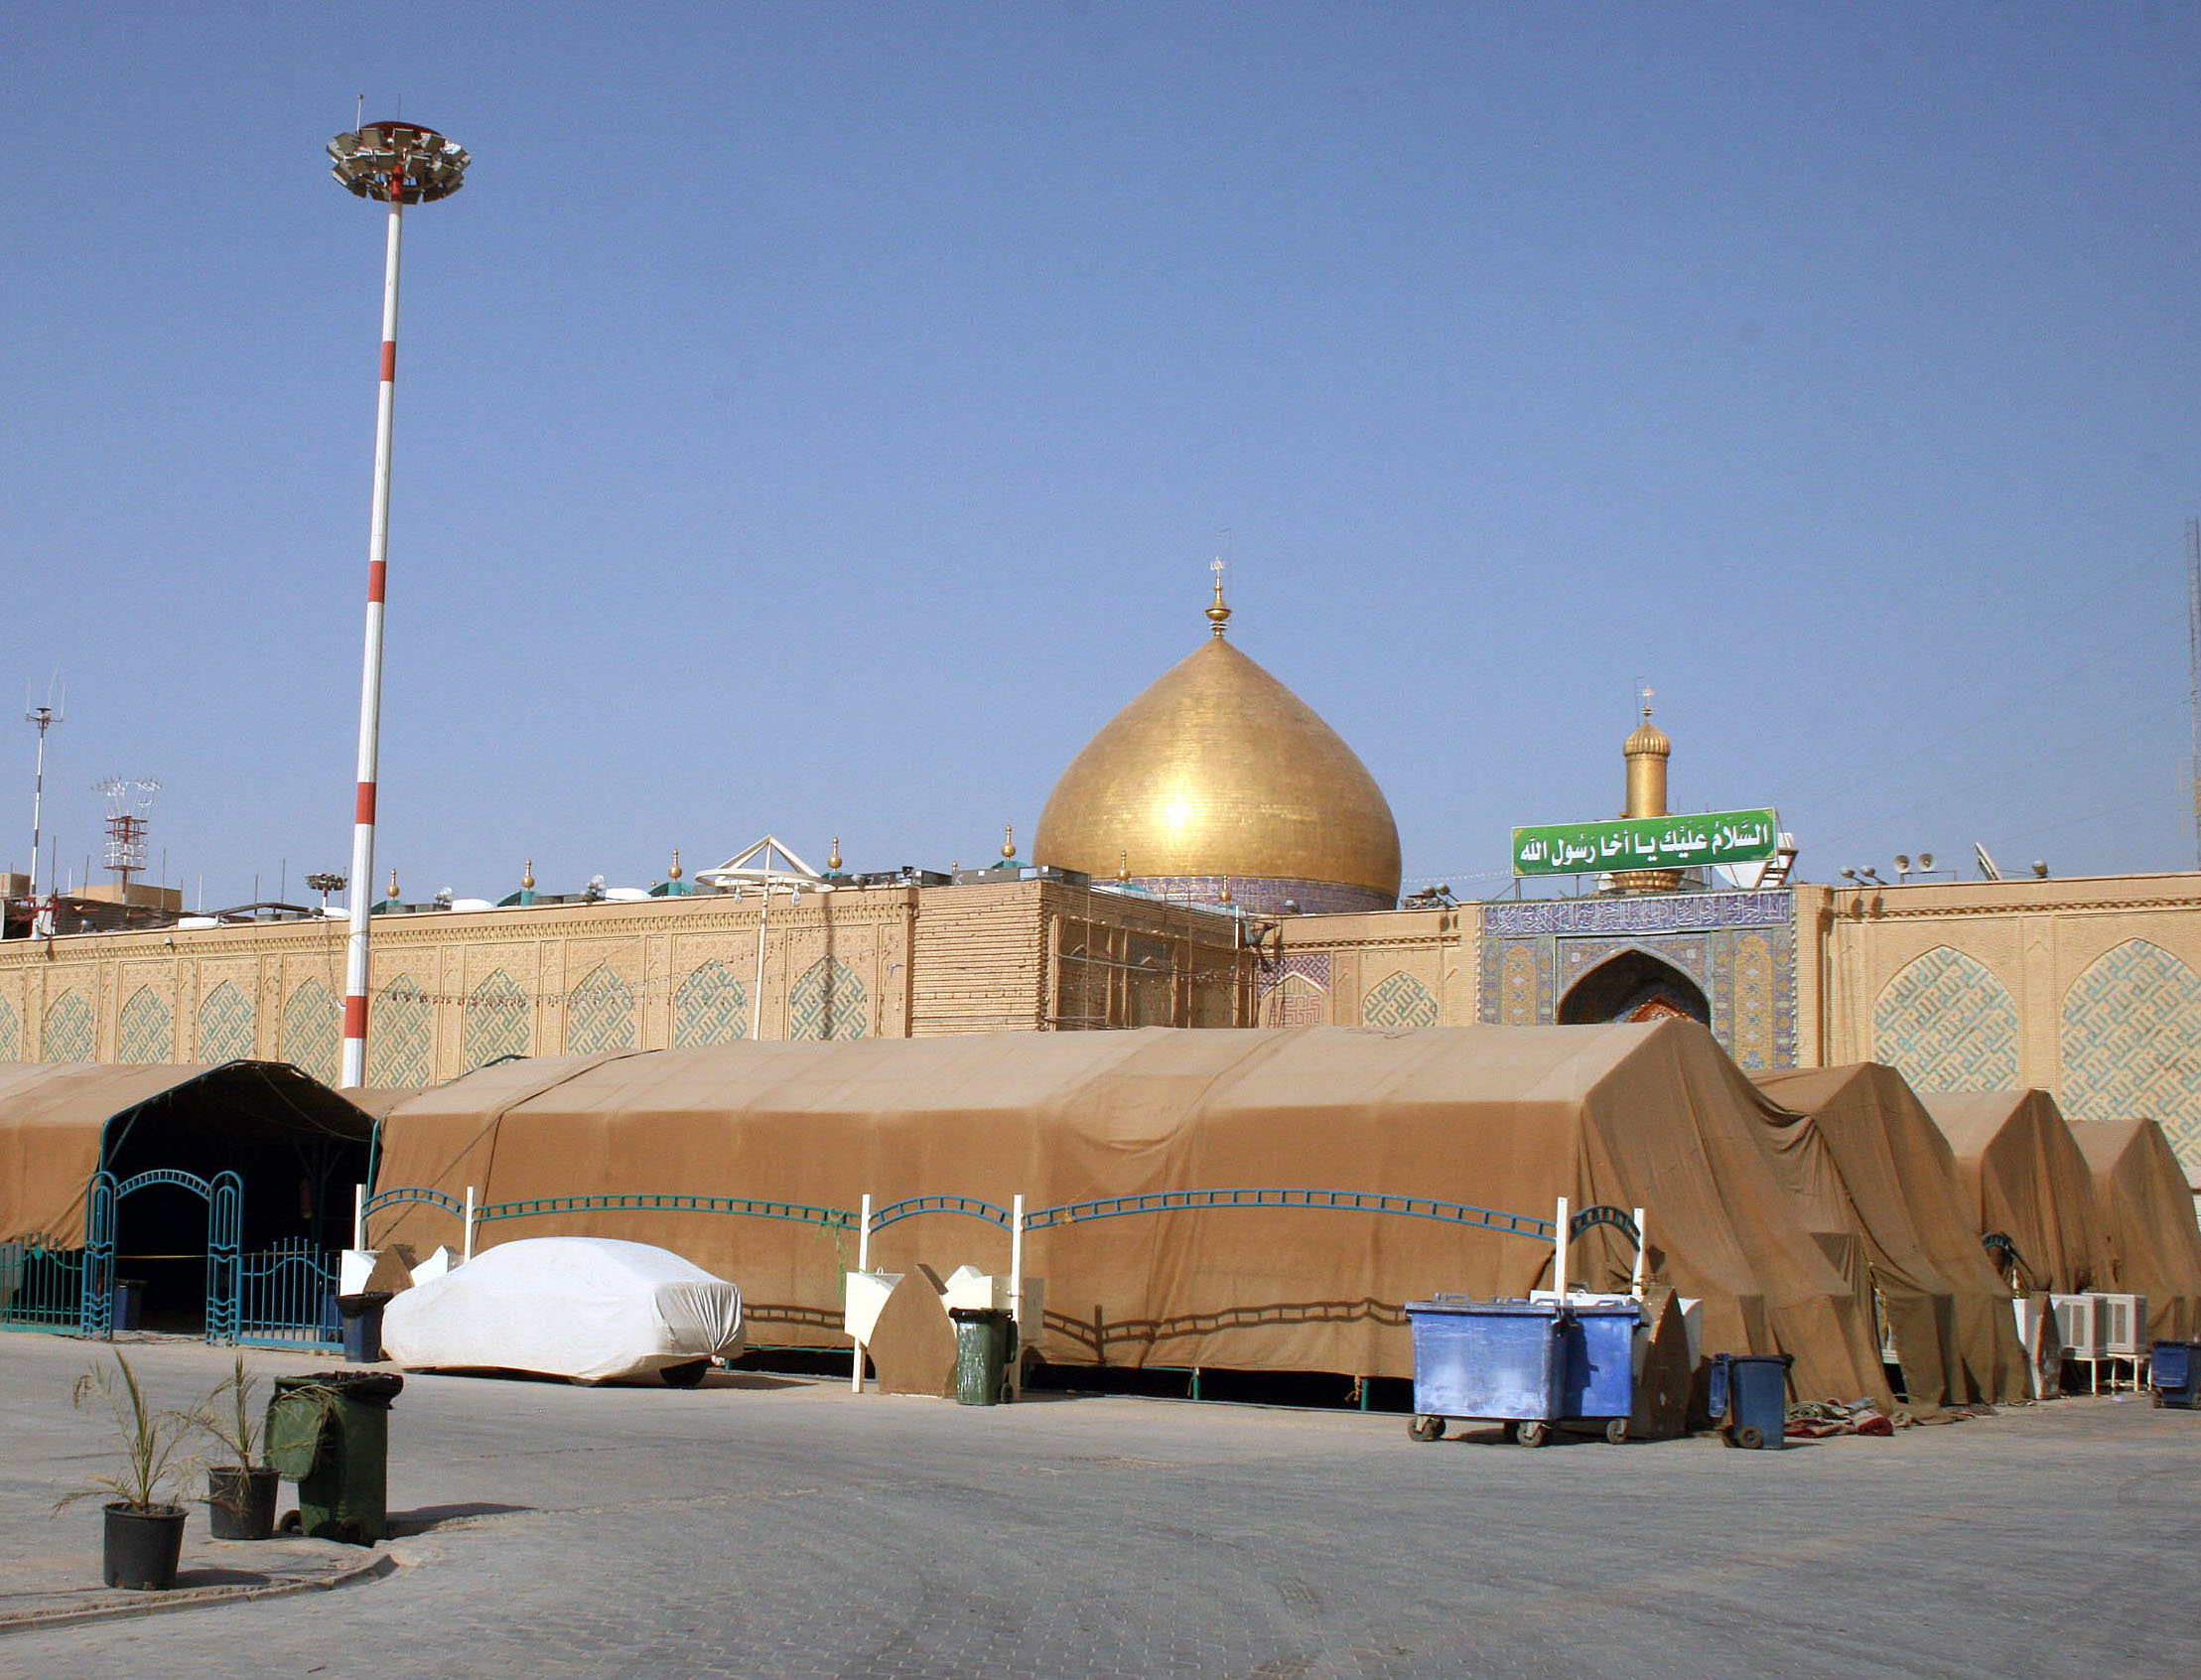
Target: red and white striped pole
[
  {"x": 354, "y": 1072},
  {"x": 397, "y": 164}
]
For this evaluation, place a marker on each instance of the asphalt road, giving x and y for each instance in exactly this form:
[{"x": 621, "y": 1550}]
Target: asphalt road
[{"x": 767, "y": 1527}]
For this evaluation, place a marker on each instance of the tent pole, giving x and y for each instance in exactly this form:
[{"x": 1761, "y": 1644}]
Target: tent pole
[
  {"x": 358, "y": 1215},
  {"x": 467, "y": 1241},
  {"x": 1642, "y": 1256},
  {"x": 1017, "y": 1294},
  {"x": 1559, "y": 1254},
  {"x": 863, "y": 1264}
]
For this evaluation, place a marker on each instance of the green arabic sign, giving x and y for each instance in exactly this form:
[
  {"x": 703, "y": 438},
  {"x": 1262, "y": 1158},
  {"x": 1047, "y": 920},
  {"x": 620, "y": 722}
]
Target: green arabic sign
[{"x": 1668, "y": 842}]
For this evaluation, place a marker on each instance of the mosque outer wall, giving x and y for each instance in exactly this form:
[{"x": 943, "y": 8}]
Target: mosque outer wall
[{"x": 455, "y": 989}]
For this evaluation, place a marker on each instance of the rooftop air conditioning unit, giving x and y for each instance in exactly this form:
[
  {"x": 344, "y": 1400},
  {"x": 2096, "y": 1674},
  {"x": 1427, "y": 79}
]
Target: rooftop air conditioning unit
[
  {"x": 2077, "y": 1325},
  {"x": 2123, "y": 1319}
]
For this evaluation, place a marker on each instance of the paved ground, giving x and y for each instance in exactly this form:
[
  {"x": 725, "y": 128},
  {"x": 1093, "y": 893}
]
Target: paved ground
[{"x": 762, "y": 1527}]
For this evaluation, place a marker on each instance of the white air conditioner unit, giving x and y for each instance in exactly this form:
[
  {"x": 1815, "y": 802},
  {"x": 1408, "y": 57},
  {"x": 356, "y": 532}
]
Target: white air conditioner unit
[
  {"x": 2123, "y": 1325},
  {"x": 2077, "y": 1325}
]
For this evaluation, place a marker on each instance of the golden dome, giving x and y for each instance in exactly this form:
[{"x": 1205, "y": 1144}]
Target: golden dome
[{"x": 1218, "y": 771}]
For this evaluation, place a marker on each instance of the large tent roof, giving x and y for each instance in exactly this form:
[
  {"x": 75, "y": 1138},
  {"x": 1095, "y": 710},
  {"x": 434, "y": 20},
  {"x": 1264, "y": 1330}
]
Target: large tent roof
[
  {"x": 2146, "y": 1210},
  {"x": 59, "y": 1124},
  {"x": 1506, "y": 1118},
  {"x": 2025, "y": 1176},
  {"x": 1900, "y": 1189}
]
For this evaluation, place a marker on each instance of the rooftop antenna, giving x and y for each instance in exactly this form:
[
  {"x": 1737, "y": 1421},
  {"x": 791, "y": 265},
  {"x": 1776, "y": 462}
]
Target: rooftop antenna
[
  {"x": 45, "y": 718},
  {"x": 129, "y": 814},
  {"x": 397, "y": 164}
]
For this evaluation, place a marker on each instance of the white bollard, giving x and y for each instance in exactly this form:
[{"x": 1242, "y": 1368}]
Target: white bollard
[
  {"x": 465, "y": 1245},
  {"x": 863, "y": 1264},
  {"x": 1559, "y": 1255},
  {"x": 1017, "y": 1294}
]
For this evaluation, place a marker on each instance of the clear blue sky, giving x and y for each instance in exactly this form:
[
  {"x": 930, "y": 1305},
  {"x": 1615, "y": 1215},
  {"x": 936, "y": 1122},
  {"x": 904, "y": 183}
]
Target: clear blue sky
[{"x": 819, "y": 418}]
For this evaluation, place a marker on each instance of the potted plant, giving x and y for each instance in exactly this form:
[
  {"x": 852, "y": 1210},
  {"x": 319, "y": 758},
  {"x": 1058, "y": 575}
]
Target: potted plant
[
  {"x": 240, "y": 1495},
  {"x": 145, "y": 1529}
]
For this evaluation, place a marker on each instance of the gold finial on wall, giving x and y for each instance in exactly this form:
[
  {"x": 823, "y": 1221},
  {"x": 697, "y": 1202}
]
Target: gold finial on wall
[
  {"x": 833, "y": 863},
  {"x": 526, "y": 878},
  {"x": 394, "y": 883},
  {"x": 673, "y": 874},
  {"x": 1123, "y": 866},
  {"x": 1007, "y": 840},
  {"x": 1226, "y": 892},
  {"x": 1218, "y": 613}
]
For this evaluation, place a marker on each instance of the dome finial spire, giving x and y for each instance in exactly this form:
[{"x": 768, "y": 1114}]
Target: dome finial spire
[{"x": 1218, "y": 613}]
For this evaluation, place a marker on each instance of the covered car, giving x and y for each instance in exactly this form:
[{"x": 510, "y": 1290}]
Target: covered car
[{"x": 590, "y": 1308}]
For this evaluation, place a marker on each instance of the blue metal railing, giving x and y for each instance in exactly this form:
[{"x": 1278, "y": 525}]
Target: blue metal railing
[{"x": 284, "y": 1297}]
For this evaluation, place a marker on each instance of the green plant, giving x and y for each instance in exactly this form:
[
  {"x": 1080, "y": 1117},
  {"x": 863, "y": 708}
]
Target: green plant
[
  {"x": 151, "y": 1441},
  {"x": 228, "y": 1415}
]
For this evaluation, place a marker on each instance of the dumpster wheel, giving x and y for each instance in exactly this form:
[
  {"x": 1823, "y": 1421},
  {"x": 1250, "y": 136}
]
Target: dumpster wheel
[
  {"x": 1425, "y": 1429},
  {"x": 1748, "y": 1435},
  {"x": 1533, "y": 1432},
  {"x": 1616, "y": 1431}
]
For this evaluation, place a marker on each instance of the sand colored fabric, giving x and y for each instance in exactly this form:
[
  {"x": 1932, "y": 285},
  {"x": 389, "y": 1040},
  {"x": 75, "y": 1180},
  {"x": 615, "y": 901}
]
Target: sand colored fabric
[
  {"x": 1632, "y": 1115},
  {"x": 2025, "y": 1176},
  {"x": 53, "y": 1119},
  {"x": 2146, "y": 1209},
  {"x": 1897, "y": 1183}
]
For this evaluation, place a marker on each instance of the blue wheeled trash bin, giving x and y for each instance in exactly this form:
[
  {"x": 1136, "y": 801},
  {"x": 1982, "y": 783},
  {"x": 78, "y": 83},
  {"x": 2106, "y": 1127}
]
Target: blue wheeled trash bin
[
  {"x": 1749, "y": 1398},
  {"x": 1529, "y": 1365},
  {"x": 2173, "y": 1372}
]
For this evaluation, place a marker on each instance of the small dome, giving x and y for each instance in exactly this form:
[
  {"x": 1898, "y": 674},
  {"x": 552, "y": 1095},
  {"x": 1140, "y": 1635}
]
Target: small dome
[
  {"x": 1648, "y": 741},
  {"x": 1219, "y": 775}
]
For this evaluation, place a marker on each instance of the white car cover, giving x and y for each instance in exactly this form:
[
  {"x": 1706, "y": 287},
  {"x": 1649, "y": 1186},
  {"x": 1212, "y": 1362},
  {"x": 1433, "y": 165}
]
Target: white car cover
[{"x": 592, "y": 1308}]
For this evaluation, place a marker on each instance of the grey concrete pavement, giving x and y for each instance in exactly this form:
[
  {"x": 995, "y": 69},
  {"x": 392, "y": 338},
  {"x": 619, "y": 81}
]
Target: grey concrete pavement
[{"x": 760, "y": 1527}]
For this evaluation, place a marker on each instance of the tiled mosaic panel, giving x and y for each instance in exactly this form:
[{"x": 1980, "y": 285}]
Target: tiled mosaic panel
[
  {"x": 1293, "y": 993},
  {"x": 1757, "y": 987},
  {"x": 313, "y": 1032},
  {"x": 1948, "y": 1025},
  {"x": 400, "y": 1035},
  {"x": 601, "y": 1015},
  {"x": 11, "y": 1033},
  {"x": 66, "y": 1035},
  {"x": 711, "y": 1007},
  {"x": 828, "y": 1002},
  {"x": 1398, "y": 1000},
  {"x": 224, "y": 1025},
  {"x": 498, "y": 1020},
  {"x": 2131, "y": 1044},
  {"x": 146, "y": 1030},
  {"x": 1517, "y": 986}
]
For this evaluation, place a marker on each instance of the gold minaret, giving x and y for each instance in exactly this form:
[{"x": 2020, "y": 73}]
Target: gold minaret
[{"x": 1647, "y": 751}]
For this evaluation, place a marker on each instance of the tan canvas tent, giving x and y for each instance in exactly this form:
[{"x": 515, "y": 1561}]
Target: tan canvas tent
[
  {"x": 1503, "y": 1118},
  {"x": 1948, "y": 1309},
  {"x": 58, "y": 1124},
  {"x": 2024, "y": 1177},
  {"x": 2146, "y": 1209}
]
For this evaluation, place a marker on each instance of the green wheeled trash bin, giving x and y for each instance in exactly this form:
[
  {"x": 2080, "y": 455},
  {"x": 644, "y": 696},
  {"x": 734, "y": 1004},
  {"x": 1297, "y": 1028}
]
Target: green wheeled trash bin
[
  {"x": 331, "y": 1434},
  {"x": 1749, "y": 1398},
  {"x": 985, "y": 1342}
]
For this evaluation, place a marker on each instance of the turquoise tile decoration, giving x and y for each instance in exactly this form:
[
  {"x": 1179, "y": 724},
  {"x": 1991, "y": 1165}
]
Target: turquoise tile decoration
[
  {"x": 2131, "y": 1044},
  {"x": 1947, "y": 1023}
]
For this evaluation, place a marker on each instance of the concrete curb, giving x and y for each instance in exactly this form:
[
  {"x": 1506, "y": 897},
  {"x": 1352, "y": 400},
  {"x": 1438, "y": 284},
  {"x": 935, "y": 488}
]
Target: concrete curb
[{"x": 374, "y": 1568}]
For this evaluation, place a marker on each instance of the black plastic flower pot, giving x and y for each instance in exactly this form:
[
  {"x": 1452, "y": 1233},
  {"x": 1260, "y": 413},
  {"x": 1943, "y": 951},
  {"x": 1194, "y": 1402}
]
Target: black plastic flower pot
[
  {"x": 241, "y": 1502},
  {"x": 143, "y": 1546}
]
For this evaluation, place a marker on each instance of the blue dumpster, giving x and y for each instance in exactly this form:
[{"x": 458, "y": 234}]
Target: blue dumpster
[
  {"x": 1749, "y": 1398},
  {"x": 2173, "y": 1369},
  {"x": 1526, "y": 1364}
]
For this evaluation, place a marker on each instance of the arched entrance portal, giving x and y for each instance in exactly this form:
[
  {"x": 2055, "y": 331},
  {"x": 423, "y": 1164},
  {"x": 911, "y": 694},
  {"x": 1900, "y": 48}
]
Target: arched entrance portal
[
  {"x": 221, "y": 1199},
  {"x": 1633, "y": 986}
]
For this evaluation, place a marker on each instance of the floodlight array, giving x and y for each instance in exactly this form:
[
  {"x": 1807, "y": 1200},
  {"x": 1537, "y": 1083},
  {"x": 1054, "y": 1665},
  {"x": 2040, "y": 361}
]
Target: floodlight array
[{"x": 381, "y": 154}]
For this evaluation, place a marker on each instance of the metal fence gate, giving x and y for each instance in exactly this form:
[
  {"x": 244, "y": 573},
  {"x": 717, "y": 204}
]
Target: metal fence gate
[
  {"x": 42, "y": 1286},
  {"x": 287, "y": 1297},
  {"x": 224, "y": 1199}
]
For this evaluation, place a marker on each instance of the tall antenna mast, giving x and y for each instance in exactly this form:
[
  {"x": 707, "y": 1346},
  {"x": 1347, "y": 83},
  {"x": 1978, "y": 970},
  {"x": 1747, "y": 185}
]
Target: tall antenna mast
[
  {"x": 129, "y": 814},
  {"x": 397, "y": 164},
  {"x": 2193, "y": 663},
  {"x": 45, "y": 717}
]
